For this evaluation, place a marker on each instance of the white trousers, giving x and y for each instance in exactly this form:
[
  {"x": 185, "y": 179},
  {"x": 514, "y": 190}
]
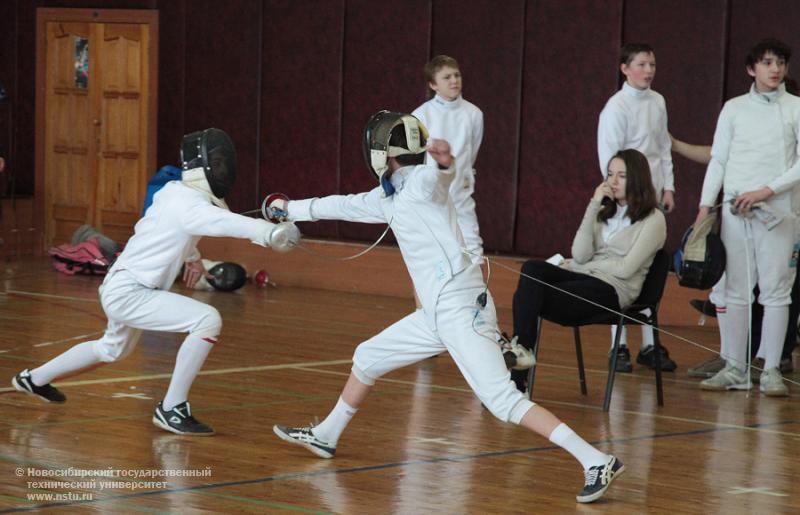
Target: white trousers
[
  {"x": 132, "y": 307},
  {"x": 468, "y": 334}
]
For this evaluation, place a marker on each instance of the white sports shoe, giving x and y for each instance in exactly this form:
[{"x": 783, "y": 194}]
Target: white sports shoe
[
  {"x": 729, "y": 378},
  {"x": 772, "y": 383},
  {"x": 518, "y": 357}
]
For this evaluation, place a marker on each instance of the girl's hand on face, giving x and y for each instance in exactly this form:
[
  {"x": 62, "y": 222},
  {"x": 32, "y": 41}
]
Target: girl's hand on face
[{"x": 604, "y": 190}]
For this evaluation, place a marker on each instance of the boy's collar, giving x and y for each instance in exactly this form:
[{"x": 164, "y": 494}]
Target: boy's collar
[
  {"x": 770, "y": 96},
  {"x": 634, "y": 92},
  {"x": 447, "y": 104}
]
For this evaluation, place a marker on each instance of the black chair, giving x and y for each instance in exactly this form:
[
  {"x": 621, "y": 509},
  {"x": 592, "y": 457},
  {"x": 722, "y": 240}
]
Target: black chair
[{"x": 649, "y": 299}]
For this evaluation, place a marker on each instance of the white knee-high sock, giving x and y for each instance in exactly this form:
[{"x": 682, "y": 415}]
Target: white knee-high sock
[
  {"x": 736, "y": 331},
  {"x": 623, "y": 337},
  {"x": 191, "y": 356},
  {"x": 76, "y": 358},
  {"x": 647, "y": 337},
  {"x": 569, "y": 440},
  {"x": 773, "y": 334},
  {"x": 330, "y": 429},
  {"x": 724, "y": 340}
]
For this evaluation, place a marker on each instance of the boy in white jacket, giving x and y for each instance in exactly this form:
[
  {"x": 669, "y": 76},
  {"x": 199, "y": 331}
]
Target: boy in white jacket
[
  {"x": 754, "y": 161},
  {"x": 457, "y": 312},
  {"x": 135, "y": 294}
]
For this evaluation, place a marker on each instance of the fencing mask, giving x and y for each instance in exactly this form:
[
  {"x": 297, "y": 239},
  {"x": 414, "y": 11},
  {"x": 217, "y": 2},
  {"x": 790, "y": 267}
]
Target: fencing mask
[
  {"x": 212, "y": 152},
  {"x": 700, "y": 260},
  {"x": 377, "y": 147},
  {"x": 226, "y": 276}
]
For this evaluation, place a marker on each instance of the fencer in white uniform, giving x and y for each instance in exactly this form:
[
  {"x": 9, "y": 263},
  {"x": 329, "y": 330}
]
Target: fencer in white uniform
[
  {"x": 135, "y": 293},
  {"x": 415, "y": 202}
]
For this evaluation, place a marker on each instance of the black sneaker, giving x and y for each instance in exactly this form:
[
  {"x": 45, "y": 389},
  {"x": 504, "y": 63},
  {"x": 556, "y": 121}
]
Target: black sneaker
[
  {"x": 179, "y": 420},
  {"x": 303, "y": 436},
  {"x": 705, "y": 307},
  {"x": 623, "y": 359},
  {"x": 647, "y": 357},
  {"x": 598, "y": 479},
  {"x": 22, "y": 383}
]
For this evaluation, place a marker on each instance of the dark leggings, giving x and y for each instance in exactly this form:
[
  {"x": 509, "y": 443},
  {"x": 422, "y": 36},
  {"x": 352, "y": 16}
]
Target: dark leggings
[{"x": 534, "y": 299}]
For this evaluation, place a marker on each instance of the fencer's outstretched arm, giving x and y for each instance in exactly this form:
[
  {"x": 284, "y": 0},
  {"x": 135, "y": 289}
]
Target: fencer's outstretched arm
[
  {"x": 362, "y": 207},
  {"x": 204, "y": 219}
]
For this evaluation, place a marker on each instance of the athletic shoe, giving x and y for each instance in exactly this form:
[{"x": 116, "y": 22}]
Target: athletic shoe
[
  {"x": 772, "y": 384},
  {"x": 179, "y": 420},
  {"x": 303, "y": 436},
  {"x": 729, "y": 378},
  {"x": 708, "y": 367},
  {"x": 647, "y": 357},
  {"x": 598, "y": 479},
  {"x": 22, "y": 382},
  {"x": 623, "y": 360},
  {"x": 705, "y": 307},
  {"x": 516, "y": 355}
]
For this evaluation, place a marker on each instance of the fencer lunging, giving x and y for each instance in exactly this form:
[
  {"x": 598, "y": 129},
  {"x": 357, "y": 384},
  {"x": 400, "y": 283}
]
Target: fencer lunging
[{"x": 414, "y": 199}]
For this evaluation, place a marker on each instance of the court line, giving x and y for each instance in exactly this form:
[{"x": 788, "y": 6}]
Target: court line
[
  {"x": 49, "y": 296},
  {"x": 383, "y": 466},
  {"x": 220, "y": 371}
]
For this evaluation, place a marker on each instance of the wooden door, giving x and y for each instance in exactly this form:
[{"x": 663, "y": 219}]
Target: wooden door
[{"x": 96, "y": 119}]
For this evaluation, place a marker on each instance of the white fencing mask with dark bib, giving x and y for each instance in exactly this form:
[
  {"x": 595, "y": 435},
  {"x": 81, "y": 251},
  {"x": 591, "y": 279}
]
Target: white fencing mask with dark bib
[
  {"x": 208, "y": 159},
  {"x": 377, "y": 149}
]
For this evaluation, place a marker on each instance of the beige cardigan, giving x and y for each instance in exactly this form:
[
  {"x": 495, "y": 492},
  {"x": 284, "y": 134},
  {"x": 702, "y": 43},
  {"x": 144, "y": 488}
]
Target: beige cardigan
[{"x": 623, "y": 262}]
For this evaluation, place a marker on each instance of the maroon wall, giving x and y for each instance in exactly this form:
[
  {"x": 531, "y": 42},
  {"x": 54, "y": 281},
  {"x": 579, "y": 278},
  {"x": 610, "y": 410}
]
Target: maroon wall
[{"x": 293, "y": 81}]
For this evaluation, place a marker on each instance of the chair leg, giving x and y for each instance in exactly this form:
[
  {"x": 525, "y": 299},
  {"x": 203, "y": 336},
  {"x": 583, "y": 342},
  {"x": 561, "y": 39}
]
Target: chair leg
[
  {"x": 579, "y": 352},
  {"x": 657, "y": 350},
  {"x": 532, "y": 370},
  {"x": 612, "y": 366}
]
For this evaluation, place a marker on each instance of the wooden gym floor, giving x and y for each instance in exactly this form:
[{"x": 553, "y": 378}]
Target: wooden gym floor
[{"x": 420, "y": 444}]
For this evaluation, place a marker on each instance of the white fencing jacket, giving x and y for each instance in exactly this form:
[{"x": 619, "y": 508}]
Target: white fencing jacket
[
  {"x": 637, "y": 119},
  {"x": 756, "y": 144},
  {"x": 168, "y": 234},
  {"x": 422, "y": 218}
]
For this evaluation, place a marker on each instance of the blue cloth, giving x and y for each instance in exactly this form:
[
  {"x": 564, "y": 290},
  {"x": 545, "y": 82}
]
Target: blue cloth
[{"x": 164, "y": 175}]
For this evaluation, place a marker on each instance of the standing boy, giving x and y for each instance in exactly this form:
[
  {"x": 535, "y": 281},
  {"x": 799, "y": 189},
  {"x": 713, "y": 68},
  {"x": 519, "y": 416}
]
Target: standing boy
[
  {"x": 457, "y": 314},
  {"x": 449, "y": 116},
  {"x": 135, "y": 294},
  {"x": 636, "y": 117},
  {"x": 754, "y": 162}
]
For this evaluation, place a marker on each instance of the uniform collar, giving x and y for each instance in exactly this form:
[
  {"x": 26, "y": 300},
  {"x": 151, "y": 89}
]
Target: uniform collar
[
  {"x": 767, "y": 98},
  {"x": 447, "y": 104},
  {"x": 635, "y": 92}
]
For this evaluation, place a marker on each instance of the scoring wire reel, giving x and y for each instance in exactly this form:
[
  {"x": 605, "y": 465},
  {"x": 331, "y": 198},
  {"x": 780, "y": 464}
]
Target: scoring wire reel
[{"x": 274, "y": 209}]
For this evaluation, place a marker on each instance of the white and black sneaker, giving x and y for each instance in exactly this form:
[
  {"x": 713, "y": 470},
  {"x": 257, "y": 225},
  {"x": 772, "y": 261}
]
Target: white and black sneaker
[
  {"x": 516, "y": 355},
  {"x": 598, "y": 479},
  {"x": 179, "y": 420},
  {"x": 303, "y": 436},
  {"x": 22, "y": 382}
]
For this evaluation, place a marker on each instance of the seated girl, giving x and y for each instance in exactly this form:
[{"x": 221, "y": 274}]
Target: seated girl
[{"x": 616, "y": 242}]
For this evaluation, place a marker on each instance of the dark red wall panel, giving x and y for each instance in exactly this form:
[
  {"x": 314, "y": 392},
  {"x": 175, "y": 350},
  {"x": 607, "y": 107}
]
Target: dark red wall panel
[
  {"x": 384, "y": 49},
  {"x": 301, "y": 101},
  {"x": 487, "y": 40},
  {"x": 689, "y": 42},
  {"x": 171, "y": 81},
  {"x": 222, "y": 67},
  {"x": 569, "y": 72}
]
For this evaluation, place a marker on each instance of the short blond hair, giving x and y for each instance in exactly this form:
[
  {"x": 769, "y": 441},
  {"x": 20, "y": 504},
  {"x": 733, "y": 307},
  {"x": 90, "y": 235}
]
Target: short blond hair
[{"x": 436, "y": 64}]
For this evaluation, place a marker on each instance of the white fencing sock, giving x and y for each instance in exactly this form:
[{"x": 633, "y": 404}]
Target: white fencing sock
[
  {"x": 330, "y": 429},
  {"x": 647, "y": 337},
  {"x": 190, "y": 359},
  {"x": 724, "y": 339},
  {"x": 566, "y": 438},
  {"x": 77, "y": 358},
  {"x": 623, "y": 337},
  {"x": 773, "y": 334},
  {"x": 736, "y": 330}
]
